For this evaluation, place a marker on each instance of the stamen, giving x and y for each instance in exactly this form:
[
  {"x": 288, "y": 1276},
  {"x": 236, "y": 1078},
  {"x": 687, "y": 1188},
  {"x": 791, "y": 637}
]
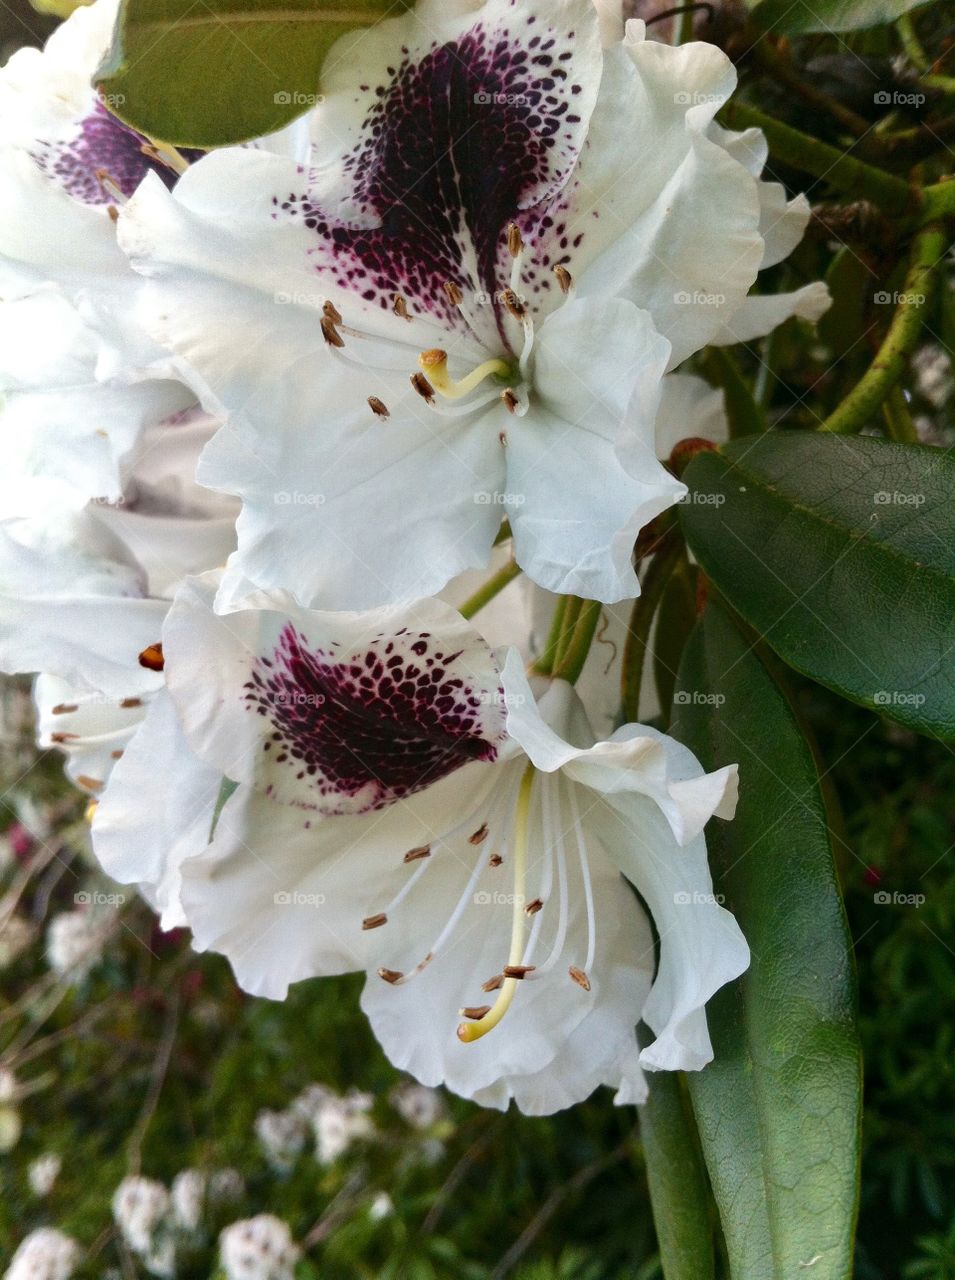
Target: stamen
[
  {"x": 553, "y": 842},
  {"x": 329, "y": 309},
  {"x": 471, "y": 1031},
  {"x": 423, "y": 387},
  {"x": 422, "y": 851},
  {"x": 128, "y": 703},
  {"x": 532, "y": 908},
  {"x": 111, "y": 186},
  {"x": 475, "y": 1012},
  {"x": 435, "y": 362},
  {"x": 579, "y": 977},
  {"x": 478, "y": 836},
  {"x": 378, "y": 407},
  {"x": 512, "y": 304},
  {"x": 63, "y": 708},
  {"x": 113, "y": 213},
  {"x": 510, "y": 400},
  {"x": 330, "y": 333},
  {"x": 515, "y": 241},
  {"x": 495, "y": 860},
  {"x": 585, "y": 872},
  {"x": 151, "y": 658},
  {"x": 400, "y": 307},
  {"x": 518, "y": 970},
  {"x": 564, "y": 278},
  {"x": 492, "y": 984},
  {"x": 374, "y": 922},
  {"x": 455, "y": 296},
  {"x": 166, "y": 155},
  {"x": 91, "y": 784},
  {"x": 390, "y": 975}
]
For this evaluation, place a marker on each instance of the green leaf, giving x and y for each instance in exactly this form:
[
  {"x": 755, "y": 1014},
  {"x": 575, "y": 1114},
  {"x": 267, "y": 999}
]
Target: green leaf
[
  {"x": 679, "y": 1194},
  {"x": 794, "y": 17},
  {"x": 209, "y": 74},
  {"x": 745, "y": 416},
  {"x": 675, "y": 620},
  {"x": 840, "y": 552},
  {"x": 778, "y": 1110}
]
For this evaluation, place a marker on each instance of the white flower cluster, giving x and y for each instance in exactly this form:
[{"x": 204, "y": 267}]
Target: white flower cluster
[
  {"x": 264, "y": 359},
  {"x": 45, "y": 1254},
  {"x": 75, "y": 941},
  {"x": 43, "y": 1173},
  {"x": 259, "y": 1248}
]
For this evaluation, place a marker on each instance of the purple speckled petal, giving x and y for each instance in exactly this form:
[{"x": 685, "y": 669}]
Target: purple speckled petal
[
  {"x": 444, "y": 144},
  {"x": 102, "y": 148},
  {"x": 370, "y": 727}
]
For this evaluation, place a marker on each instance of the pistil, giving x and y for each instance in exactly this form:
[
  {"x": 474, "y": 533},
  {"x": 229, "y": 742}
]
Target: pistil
[{"x": 435, "y": 365}]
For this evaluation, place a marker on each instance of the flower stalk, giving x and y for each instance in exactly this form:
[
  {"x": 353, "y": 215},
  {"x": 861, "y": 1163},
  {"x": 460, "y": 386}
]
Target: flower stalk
[
  {"x": 645, "y": 607},
  {"x": 493, "y": 587}
]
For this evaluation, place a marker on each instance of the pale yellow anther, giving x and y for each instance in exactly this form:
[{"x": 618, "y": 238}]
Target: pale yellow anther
[{"x": 435, "y": 364}]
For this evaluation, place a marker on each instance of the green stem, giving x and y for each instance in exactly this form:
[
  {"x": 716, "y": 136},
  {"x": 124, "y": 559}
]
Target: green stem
[
  {"x": 494, "y": 585},
  {"x": 684, "y": 28},
  {"x": 544, "y": 664},
  {"x": 938, "y": 200},
  {"x": 898, "y": 420},
  {"x": 911, "y": 44},
  {"x": 843, "y": 172},
  {"x": 864, "y": 401},
  {"x": 573, "y": 655},
  {"x": 654, "y": 583}
]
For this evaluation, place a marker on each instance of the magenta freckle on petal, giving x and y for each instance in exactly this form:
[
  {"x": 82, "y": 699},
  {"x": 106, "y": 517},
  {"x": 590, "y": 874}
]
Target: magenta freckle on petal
[
  {"x": 102, "y": 145},
  {"x": 355, "y": 731}
]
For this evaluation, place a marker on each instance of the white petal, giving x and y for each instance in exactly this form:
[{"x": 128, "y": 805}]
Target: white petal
[
  {"x": 762, "y": 313},
  {"x": 689, "y": 408},
  {"x": 91, "y": 729},
  {"x": 156, "y": 811}
]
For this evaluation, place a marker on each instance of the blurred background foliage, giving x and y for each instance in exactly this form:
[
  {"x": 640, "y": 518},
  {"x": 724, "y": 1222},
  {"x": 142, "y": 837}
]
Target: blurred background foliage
[{"x": 154, "y": 1062}]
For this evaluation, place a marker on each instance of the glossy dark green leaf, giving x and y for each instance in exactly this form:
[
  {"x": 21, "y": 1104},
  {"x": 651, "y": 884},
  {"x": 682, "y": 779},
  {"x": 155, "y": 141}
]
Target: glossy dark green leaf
[
  {"x": 793, "y": 17},
  {"x": 778, "y": 1109},
  {"x": 679, "y": 1193},
  {"x": 222, "y": 71},
  {"x": 840, "y": 552}
]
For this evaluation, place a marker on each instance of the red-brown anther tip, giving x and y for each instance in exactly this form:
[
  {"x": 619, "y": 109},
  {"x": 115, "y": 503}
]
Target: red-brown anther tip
[
  {"x": 509, "y": 400},
  {"x": 374, "y": 922},
  {"x": 331, "y": 311},
  {"x": 684, "y": 451},
  {"x": 331, "y": 334},
  {"x": 518, "y": 970},
  {"x": 579, "y": 977},
  {"x": 390, "y": 975},
  {"x": 564, "y": 278},
  {"x": 434, "y": 356},
  {"x": 495, "y": 860},
  {"x": 475, "y": 1012},
  {"x": 455, "y": 296},
  {"x": 151, "y": 658},
  {"x": 492, "y": 984},
  {"x": 423, "y": 387},
  {"x": 532, "y": 908},
  {"x": 400, "y": 307},
  {"x": 421, "y": 851},
  {"x": 479, "y": 836},
  {"x": 515, "y": 241},
  {"x": 378, "y": 407}
]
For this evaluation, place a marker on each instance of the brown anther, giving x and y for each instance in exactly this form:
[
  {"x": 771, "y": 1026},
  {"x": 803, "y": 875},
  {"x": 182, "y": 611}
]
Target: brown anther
[
  {"x": 564, "y": 278},
  {"x": 509, "y": 400},
  {"x": 423, "y": 387},
  {"x": 532, "y": 908},
  {"x": 479, "y": 836},
  {"x": 378, "y": 407},
  {"x": 400, "y": 307},
  {"x": 455, "y": 296},
  {"x": 495, "y": 860},
  {"x": 92, "y": 784},
  {"x": 414, "y": 855},
  {"x": 151, "y": 658},
  {"x": 331, "y": 312},
  {"x": 117, "y": 754},
  {"x": 579, "y": 977},
  {"x": 515, "y": 241},
  {"x": 513, "y": 304},
  {"x": 476, "y": 1012},
  {"x": 518, "y": 970},
  {"x": 60, "y": 738},
  {"x": 331, "y": 335},
  {"x": 391, "y": 975},
  {"x": 374, "y": 922},
  {"x": 433, "y": 357},
  {"x": 63, "y": 708},
  {"x": 502, "y": 438},
  {"x": 113, "y": 213},
  {"x": 128, "y": 703},
  {"x": 492, "y": 984}
]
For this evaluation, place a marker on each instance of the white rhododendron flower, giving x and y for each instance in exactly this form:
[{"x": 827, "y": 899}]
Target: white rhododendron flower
[
  {"x": 339, "y": 1122},
  {"x": 75, "y": 942},
  {"x": 462, "y": 307},
  {"x": 141, "y": 1206},
  {"x": 45, "y": 1254},
  {"x": 259, "y": 1248},
  {"x": 419, "y": 1106},
  {"x": 43, "y": 1173},
  {"x": 392, "y": 816}
]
